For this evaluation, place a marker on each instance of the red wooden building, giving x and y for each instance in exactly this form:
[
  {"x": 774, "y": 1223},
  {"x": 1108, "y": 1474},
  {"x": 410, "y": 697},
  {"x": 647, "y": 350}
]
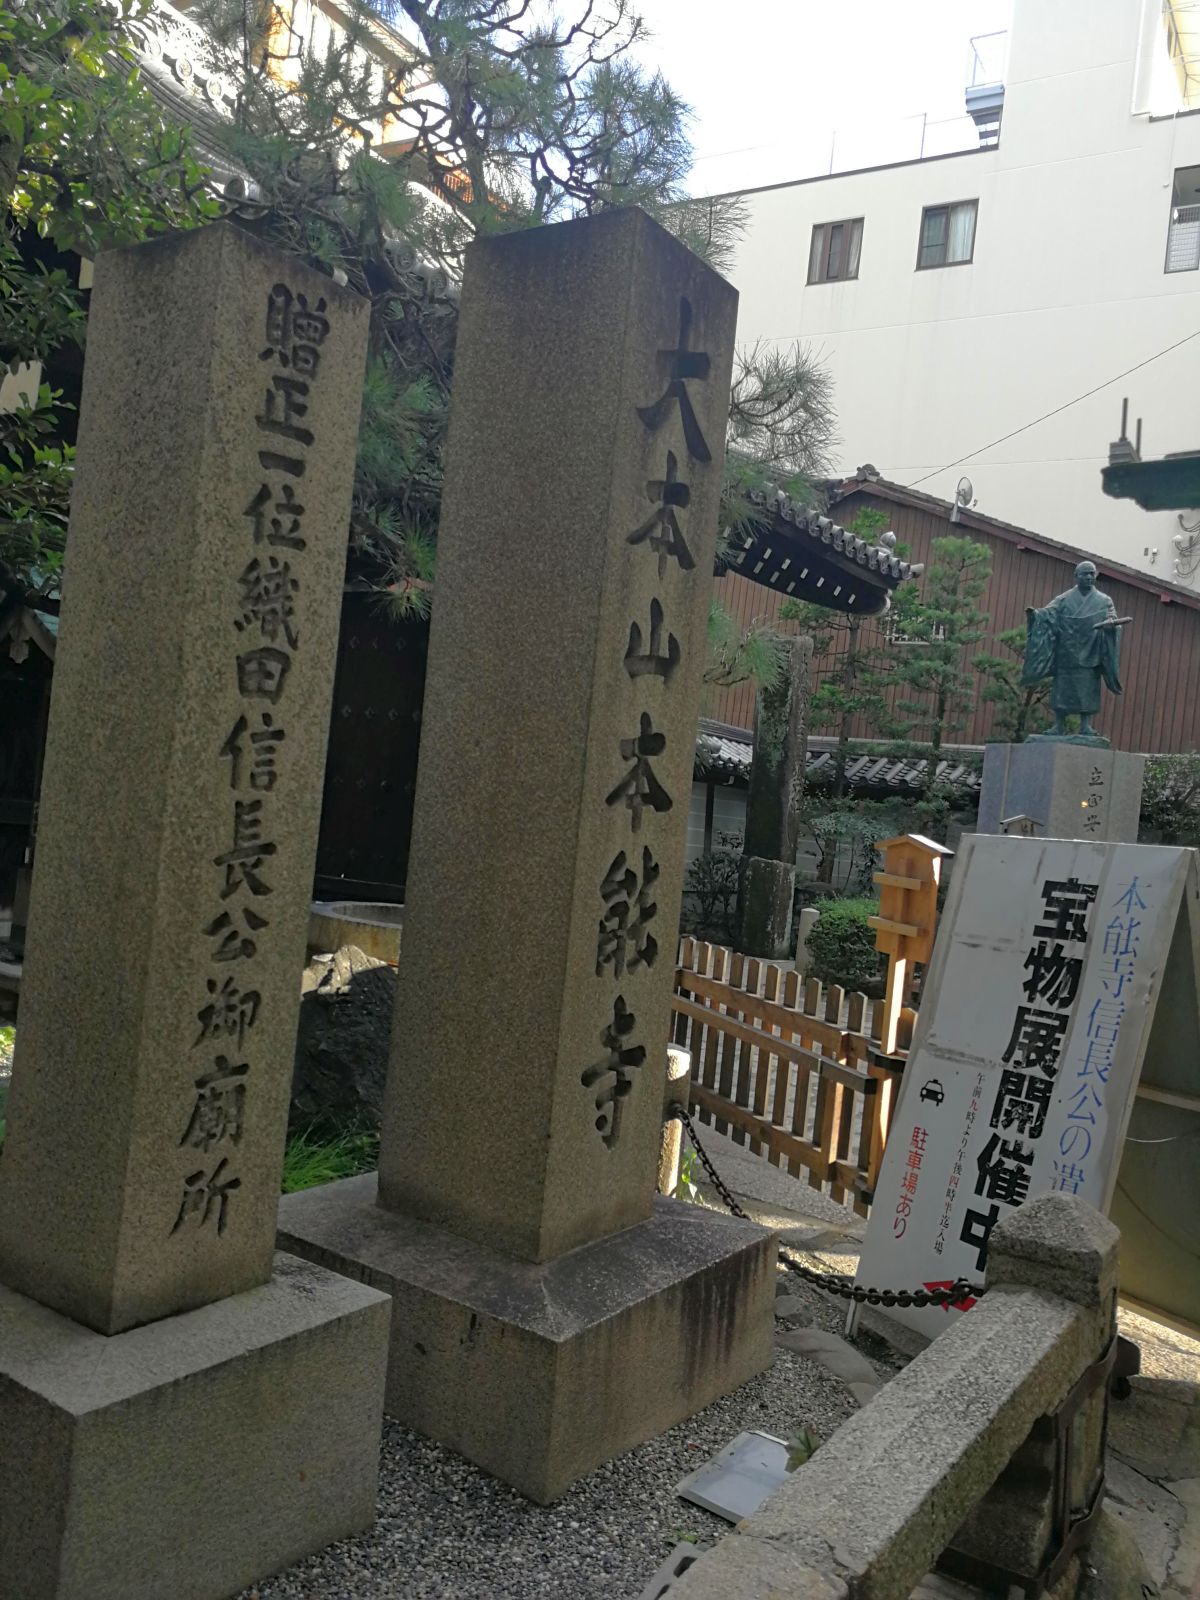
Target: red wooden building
[{"x": 1159, "y": 711}]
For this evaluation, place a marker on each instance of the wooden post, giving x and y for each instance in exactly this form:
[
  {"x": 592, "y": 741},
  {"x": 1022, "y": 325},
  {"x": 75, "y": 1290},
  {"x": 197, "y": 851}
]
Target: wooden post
[{"x": 904, "y": 928}]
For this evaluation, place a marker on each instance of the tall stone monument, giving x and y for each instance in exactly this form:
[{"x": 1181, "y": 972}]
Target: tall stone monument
[
  {"x": 181, "y": 1410},
  {"x": 1068, "y": 785},
  {"x": 548, "y": 1311},
  {"x": 767, "y": 871}
]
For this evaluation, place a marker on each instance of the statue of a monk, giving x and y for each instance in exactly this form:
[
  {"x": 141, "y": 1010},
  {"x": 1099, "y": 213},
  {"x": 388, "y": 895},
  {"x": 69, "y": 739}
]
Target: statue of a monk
[{"x": 1075, "y": 640}]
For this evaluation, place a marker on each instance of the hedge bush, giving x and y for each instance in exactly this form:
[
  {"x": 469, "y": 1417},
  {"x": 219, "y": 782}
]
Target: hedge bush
[{"x": 842, "y": 947}]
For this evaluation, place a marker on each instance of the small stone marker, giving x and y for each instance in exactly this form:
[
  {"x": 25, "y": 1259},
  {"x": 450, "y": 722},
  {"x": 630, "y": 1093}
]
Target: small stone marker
[
  {"x": 177, "y": 835},
  {"x": 524, "y": 1105}
]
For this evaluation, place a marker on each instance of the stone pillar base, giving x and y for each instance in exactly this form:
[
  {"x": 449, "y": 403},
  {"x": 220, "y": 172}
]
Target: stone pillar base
[
  {"x": 541, "y": 1372},
  {"x": 1071, "y": 791},
  {"x": 194, "y": 1455},
  {"x": 766, "y": 890}
]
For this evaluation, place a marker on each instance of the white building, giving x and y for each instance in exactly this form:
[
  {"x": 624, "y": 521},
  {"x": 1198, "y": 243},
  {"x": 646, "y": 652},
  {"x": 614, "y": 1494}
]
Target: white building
[{"x": 961, "y": 297}]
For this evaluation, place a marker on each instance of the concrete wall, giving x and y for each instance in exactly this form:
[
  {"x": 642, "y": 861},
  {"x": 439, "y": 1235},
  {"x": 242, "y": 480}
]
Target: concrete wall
[{"x": 1065, "y": 291}]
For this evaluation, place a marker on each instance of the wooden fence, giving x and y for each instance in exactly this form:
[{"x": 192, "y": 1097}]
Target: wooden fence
[{"x": 788, "y": 1067}]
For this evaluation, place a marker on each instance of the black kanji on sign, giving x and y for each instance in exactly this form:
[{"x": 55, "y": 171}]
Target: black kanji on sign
[
  {"x": 661, "y": 528},
  {"x": 294, "y": 333},
  {"x": 218, "y": 1107},
  {"x": 639, "y": 787},
  {"x": 612, "y": 1077},
  {"x": 685, "y": 363},
  {"x": 977, "y": 1230},
  {"x": 231, "y": 944},
  {"x": 206, "y": 1195},
  {"x": 1065, "y": 907},
  {"x": 1053, "y": 974},
  {"x": 284, "y": 527},
  {"x": 1003, "y": 1167},
  {"x": 1036, "y": 1039},
  {"x": 646, "y": 656},
  {"x": 243, "y": 861},
  {"x": 622, "y": 941},
  {"x": 268, "y": 599},
  {"x": 229, "y": 1012},
  {"x": 1022, "y": 1100},
  {"x": 261, "y": 673},
  {"x": 264, "y": 746},
  {"x": 284, "y": 403}
]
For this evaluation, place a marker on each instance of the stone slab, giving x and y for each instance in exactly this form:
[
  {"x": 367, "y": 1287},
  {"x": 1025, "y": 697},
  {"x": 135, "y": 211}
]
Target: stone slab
[
  {"x": 575, "y": 555},
  {"x": 540, "y": 1372},
  {"x": 1072, "y": 791},
  {"x": 194, "y": 1455},
  {"x": 181, "y": 794}
]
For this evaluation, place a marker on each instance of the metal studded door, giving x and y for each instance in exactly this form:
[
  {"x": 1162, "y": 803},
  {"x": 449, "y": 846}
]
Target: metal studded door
[{"x": 371, "y": 768}]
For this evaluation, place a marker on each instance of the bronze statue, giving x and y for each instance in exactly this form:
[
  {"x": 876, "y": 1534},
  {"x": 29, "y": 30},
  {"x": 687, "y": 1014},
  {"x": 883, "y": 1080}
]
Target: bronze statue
[{"x": 1076, "y": 641}]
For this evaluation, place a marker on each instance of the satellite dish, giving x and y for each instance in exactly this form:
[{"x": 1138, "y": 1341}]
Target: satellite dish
[{"x": 964, "y": 495}]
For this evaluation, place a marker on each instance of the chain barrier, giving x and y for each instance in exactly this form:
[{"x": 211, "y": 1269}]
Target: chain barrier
[{"x": 832, "y": 1282}]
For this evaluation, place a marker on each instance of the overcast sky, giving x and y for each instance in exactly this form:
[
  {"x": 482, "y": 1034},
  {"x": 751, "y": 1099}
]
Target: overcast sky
[{"x": 771, "y": 80}]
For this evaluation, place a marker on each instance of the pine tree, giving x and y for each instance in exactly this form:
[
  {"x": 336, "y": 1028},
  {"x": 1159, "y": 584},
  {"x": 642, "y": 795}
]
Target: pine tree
[
  {"x": 942, "y": 625},
  {"x": 1021, "y": 709}
]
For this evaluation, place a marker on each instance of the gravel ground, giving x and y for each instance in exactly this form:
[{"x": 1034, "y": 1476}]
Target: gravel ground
[{"x": 447, "y": 1530}]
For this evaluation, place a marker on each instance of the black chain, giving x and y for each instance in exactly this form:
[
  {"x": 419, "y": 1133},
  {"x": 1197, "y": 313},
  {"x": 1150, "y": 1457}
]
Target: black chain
[{"x": 832, "y": 1282}]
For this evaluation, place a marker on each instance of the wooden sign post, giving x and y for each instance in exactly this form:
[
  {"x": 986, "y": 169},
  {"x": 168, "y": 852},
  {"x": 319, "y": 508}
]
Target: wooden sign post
[{"x": 904, "y": 928}]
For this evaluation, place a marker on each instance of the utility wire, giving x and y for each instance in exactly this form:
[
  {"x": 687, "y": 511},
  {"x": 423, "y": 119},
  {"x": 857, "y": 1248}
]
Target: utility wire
[{"x": 1066, "y": 406}]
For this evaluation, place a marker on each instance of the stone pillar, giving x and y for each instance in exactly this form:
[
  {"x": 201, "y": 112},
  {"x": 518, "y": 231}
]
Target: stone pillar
[
  {"x": 1060, "y": 1248},
  {"x": 155, "y": 1354},
  {"x": 524, "y": 1104},
  {"x": 1064, "y": 791},
  {"x": 767, "y": 871},
  {"x": 679, "y": 1070}
]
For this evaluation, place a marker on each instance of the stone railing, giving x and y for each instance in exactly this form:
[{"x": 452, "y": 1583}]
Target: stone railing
[{"x": 989, "y": 1447}]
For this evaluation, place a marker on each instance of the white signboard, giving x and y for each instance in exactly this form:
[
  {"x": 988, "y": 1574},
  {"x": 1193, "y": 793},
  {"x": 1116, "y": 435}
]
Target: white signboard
[{"x": 1027, "y": 1051}]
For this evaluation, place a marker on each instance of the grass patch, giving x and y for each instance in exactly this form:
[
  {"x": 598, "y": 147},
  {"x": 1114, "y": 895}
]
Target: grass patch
[{"x": 316, "y": 1156}]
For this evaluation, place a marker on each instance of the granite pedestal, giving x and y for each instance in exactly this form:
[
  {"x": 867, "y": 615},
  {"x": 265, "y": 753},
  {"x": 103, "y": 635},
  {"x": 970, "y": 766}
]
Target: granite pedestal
[
  {"x": 547, "y": 1315},
  {"x": 539, "y": 1372},
  {"x": 1069, "y": 790}
]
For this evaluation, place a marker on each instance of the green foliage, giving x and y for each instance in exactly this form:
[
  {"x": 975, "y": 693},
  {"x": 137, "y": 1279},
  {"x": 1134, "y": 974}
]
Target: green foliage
[
  {"x": 944, "y": 624},
  {"x": 689, "y": 1170},
  {"x": 710, "y": 896},
  {"x": 316, "y": 1156},
  {"x": 801, "y": 1447},
  {"x": 734, "y": 656},
  {"x": 842, "y": 946},
  {"x": 86, "y": 161},
  {"x": 1171, "y": 800},
  {"x": 1021, "y": 709}
]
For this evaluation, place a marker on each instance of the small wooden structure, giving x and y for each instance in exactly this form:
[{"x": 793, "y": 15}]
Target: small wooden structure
[{"x": 904, "y": 928}]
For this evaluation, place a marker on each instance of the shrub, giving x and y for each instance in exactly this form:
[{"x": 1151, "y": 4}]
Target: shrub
[
  {"x": 842, "y": 947},
  {"x": 710, "y": 896}
]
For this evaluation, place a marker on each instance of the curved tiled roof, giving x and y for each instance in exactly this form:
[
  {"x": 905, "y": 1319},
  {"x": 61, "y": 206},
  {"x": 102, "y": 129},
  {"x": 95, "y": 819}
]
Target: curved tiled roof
[{"x": 726, "y": 756}]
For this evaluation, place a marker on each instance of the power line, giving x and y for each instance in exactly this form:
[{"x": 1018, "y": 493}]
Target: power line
[{"x": 1066, "y": 406}]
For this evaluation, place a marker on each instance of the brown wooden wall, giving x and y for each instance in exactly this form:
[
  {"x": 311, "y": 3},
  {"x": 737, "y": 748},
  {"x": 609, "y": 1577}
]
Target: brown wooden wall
[{"x": 1160, "y": 651}]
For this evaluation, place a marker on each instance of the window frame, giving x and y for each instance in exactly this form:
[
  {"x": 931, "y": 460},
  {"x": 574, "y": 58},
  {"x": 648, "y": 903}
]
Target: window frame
[
  {"x": 1168, "y": 269},
  {"x": 948, "y": 206},
  {"x": 826, "y": 230}
]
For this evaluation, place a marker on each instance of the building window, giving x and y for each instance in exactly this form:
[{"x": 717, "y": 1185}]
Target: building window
[
  {"x": 947, "y": 234},
  {"x": 1183, "y": 233},
  {"x": 833, "y": 255},
  {"x": 1182, "y": 23}
]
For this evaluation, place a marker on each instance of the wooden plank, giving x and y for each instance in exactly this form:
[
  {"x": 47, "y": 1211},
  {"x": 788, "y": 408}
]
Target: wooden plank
[
  {"x": 754, "y": 1036},
  {"x": 907, "y": 930},
  {"x": 723, "y": 1056},
  {"x": 855, "y": 1011},
  {"x": 834, "y": 996},
  {"x": 739, "y": 1052},
  {"x": 812, "y": 997},
  {"x": 753, "y": 1060},
  {"x": 1168, "y": 1097},
  {"x": 896, "y": 880},
  {"x": 794, "y": 1149},
  {"x": 772, "y": 988},
  {"x": 788, "y": 1020}
]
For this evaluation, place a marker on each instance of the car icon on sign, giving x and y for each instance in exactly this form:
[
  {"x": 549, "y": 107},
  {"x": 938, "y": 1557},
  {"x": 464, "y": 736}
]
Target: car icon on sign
[{"x": 932, "y": 1089}]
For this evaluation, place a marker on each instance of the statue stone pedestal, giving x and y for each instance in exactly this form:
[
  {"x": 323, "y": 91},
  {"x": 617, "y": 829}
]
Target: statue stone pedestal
[{"x": 1071, "y": 790}]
